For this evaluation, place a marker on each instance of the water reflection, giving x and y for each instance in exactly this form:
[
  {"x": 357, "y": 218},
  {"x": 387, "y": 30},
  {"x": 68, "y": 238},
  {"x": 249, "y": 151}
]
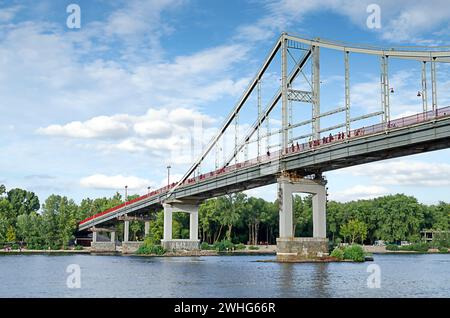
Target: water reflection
[{"x": 320, "y": 280}]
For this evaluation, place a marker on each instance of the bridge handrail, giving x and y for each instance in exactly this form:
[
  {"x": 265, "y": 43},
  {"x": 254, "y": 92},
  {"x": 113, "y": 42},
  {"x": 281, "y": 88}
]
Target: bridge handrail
[{"x": 313, "y": 144}]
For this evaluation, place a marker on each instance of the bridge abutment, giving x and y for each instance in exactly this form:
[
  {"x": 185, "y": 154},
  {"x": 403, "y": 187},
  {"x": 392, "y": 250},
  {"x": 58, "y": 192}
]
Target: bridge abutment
[
  {"x": 193, "y": 243},
  {"x": 289, "y": 247}
]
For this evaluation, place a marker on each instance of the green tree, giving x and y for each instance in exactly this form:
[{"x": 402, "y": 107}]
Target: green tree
[
  {"x": 59, "y": 221},
  {"x": 135, "y": 227},
  {"x": 22, "y": 201},
  {"x": 302, "y": 215},
  {"x": 206, "y": 220},
  {"x": 10, "y": 235},
  {"x": 399, "y": 217},
  {"x": 355, "y": 230},
  {"x": 230, "y": 209},
  {"x": 269, "y": 219},
  {"x": 252, "y": 211}
]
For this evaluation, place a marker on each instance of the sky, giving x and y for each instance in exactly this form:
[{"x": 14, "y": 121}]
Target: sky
[{"x": 85, "y": 111}]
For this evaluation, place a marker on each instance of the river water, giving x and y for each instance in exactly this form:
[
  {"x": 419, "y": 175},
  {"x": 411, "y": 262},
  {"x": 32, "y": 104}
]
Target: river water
[{"x": 220, "y": 276}]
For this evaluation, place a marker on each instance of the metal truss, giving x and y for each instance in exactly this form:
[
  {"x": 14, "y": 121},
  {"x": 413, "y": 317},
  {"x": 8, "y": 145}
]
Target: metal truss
[{"x": 288, "y": 95}]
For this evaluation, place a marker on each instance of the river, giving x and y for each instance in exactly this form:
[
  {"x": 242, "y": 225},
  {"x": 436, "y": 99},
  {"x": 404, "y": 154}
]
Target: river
[{"x": 38, "y": 275}]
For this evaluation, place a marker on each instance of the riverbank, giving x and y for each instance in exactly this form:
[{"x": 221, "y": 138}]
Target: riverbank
[
  {"x": 84, "y": 251},
  {"x": 382, "y": 250},
  {"x": 262, "y": 250}
]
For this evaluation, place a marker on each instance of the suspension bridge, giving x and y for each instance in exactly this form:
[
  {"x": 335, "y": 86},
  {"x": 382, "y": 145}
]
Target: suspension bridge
[{"x": 304, "y": 149}]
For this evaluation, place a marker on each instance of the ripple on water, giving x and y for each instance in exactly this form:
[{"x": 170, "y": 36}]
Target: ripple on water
[{"x": 221, "y": 276}]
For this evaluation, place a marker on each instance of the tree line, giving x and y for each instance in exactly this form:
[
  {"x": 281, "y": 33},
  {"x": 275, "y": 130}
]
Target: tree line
[{"x": 236, "y": 217}]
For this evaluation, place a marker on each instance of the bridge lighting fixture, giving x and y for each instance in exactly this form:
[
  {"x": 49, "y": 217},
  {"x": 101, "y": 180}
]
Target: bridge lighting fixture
[
  {"x": 419, "y": 94},
  {"x": 168, "y": 175},
  {"x": 392, "y": 90}
]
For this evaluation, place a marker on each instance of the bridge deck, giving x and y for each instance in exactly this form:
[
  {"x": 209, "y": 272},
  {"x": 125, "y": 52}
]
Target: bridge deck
[{"x": 404, "y": 136}]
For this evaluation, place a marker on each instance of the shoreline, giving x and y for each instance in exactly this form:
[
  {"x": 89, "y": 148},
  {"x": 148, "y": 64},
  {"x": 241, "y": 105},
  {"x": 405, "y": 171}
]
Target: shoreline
[
  {"x": 262, "y": 251},
  {"x": 45, "y": 252}
]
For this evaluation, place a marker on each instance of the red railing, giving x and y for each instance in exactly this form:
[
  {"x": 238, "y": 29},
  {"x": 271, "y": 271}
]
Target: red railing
[{"x": 313, "y": 144}]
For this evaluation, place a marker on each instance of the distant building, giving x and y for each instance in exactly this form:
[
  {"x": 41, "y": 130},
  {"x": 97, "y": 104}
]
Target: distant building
[{"x": 429, "y": 235}]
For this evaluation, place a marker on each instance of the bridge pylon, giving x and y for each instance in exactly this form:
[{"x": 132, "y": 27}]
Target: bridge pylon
[
  {"x": 191, "y": 207},
  {"x": 289, "y": 247}
]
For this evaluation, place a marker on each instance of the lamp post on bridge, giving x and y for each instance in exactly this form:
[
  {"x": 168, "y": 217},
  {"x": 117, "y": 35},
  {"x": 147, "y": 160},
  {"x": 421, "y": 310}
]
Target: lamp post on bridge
[
  {"x": 126, "y": 193},
  {"x": 148, "y": 190},
  {"x": 168, "y": 175}
]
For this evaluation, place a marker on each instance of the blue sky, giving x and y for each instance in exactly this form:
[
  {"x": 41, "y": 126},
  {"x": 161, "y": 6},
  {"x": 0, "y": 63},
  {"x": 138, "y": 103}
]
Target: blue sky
[{"x": 86, "y": 111}]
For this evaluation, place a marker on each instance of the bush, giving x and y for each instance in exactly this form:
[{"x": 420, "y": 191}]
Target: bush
[
  {"x": 149, "y": 248},
  {"x": 392, "y": 247},
  {"x": 35, "y": 247},
  {"x": 441, "y": 240},
  {"x": 240, "y": 246},
  {"x": 417, "y": 247},
  {"x": 78, "y": 248},
  {"x": 354, "y": 253},
  {"x": 204, "y": 246},
  {"x": 443, "y": 250},
  {"x": 224, "y": 245},
  {"x": 337, "y": 253},
  {"x": 254, "y": 248}
]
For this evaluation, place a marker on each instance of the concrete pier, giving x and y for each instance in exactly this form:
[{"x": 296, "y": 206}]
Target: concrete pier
[
  {"x": 129, "y": 247},
  {"x": 103, "y": 246},
  {"x": 290, "y": 248},
  {"x": 193, "y": 243}
]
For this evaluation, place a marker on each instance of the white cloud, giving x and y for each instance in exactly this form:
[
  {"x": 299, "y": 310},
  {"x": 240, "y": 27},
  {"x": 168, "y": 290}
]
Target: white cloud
[
  {"x": 359, "y": 192},
  {"x": 155, "y": 123},
  {"x": 7, "y": 14},
  {"x": 402, "y": 20},
  {"x": 177, "y": 135},
  {"x": 406, "y": 173},
  {"x": 104, "y": 182},
  {"x": 97, "y": 127}
]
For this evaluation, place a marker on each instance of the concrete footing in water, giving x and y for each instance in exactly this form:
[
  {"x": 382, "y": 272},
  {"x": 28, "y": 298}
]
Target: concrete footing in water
[
  {"x": 103, "y": 247},
  {"x": 130, "y": 247},
  {"x": 187, "y": 245},
  {"x": 301, "y": 249}
]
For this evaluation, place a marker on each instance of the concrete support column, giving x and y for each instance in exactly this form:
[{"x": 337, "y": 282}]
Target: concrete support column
[
  {"x": 319, "y": 202},
  {"x": 181, "y": 244},
  {"x": 290, "y": 248},
  {"x": 167, "y": 222},
  {"x": 286, "y": 188},
  {"x": 113, "y": 237},
  {"x": 193, "y": 225},
  {"x": 94, "y": 237},
  {"x": 146, "y": 228},
  {"x": 126, "y": 231},
  {"x": 286, "y": 215}
]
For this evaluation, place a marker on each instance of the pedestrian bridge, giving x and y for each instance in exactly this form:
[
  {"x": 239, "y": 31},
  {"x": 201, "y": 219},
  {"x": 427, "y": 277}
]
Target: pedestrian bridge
[{"x": 298, "y": 163}]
